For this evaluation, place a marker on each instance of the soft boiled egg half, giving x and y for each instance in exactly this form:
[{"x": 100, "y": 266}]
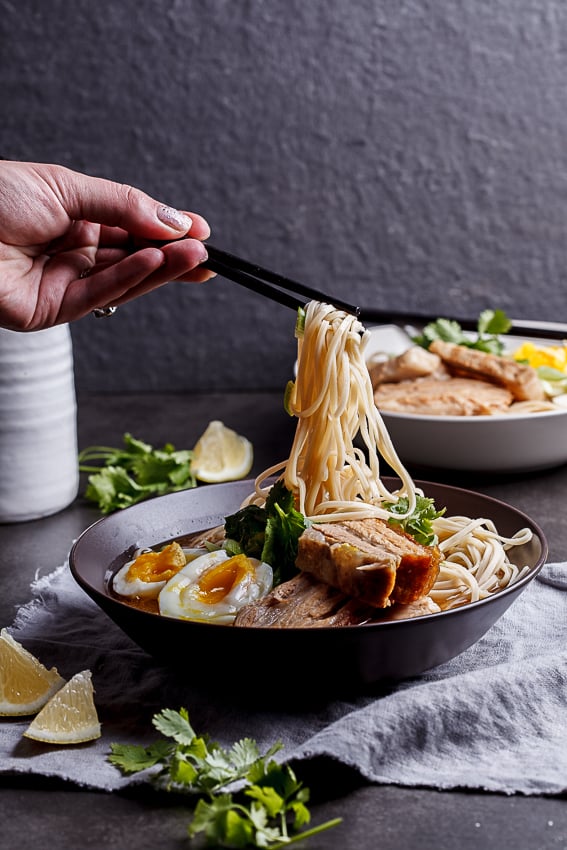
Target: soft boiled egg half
[
  {"x": 145, "y": 575},
  {"x": 214, "y": 587}
]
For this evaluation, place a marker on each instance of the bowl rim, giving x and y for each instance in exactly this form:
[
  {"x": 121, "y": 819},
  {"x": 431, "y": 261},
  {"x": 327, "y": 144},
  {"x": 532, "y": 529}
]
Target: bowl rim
[{"x": 475, "y": 421}]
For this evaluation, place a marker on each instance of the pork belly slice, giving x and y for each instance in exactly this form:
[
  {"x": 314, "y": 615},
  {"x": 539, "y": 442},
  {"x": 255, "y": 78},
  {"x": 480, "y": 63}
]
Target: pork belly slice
[
  {"x": 451, "y": 397},
  {"x": 303, "y": 602},
  {"x": 521, "y": 380},
  {"x": 369, "y": 560}
]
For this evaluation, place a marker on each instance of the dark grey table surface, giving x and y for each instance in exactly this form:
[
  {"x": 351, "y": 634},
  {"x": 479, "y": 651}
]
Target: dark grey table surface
[{"x": 48, "y": 813}]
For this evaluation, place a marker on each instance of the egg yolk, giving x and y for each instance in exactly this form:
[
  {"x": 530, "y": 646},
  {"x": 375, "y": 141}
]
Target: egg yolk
[
  {"x": 158, "y": 566},
  {"x": 217, "y": 582}
]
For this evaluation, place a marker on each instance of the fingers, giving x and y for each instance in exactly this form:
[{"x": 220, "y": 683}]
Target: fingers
[
  {"x": 82, "y": 237},
  {"x": 176, "y": 267},
  {"x": 132, "y": 276},
  {"x": 119, "y": 205}
]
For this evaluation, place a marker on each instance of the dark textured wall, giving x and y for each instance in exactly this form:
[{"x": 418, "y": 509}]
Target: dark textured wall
[{"x": 395, "y": 152}]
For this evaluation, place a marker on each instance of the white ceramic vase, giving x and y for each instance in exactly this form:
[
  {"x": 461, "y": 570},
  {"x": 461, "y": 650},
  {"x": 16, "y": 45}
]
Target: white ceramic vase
[{"x": 38, "y": 424}]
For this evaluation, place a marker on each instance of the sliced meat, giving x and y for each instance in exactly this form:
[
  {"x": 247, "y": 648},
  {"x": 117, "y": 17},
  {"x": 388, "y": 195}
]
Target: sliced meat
[
  {"x": 369, "y": 560},
  {"x": 303, "y": 602},
  {"x": 415, "y": 362},
  {"x": 453, "y": 397},
  {"x": 419, "y": 608},
  {"x": 521, "y": 380}
]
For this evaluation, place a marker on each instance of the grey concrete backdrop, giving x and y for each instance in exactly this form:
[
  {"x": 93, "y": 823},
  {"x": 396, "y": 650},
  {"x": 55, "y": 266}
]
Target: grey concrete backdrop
[{"x": 395, "y": 152}]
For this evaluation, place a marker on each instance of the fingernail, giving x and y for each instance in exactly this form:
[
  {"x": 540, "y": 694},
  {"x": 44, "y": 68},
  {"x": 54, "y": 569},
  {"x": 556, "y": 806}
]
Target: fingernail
[
  {"x": 174, "y": 218},
  {"x": 205, "y": 255}
]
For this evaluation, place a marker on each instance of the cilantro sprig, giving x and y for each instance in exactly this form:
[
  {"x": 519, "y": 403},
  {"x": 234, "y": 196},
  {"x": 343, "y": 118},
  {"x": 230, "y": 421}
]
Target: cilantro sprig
[
  {"x": 269, "y": 810},
  {"x": 491, "y": 323},
  {"x": 420, "y": 522},
  {"x": 270, "y": 533},
  {"x": 120, "y": 477}
]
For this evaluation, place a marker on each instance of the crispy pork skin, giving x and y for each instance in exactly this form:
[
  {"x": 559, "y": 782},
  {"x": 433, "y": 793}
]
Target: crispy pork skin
[
  {"x": 521, "y": 380},
  {"x": 369, "y": 560},
  {"x": 419, "y": 565},
  {"x": 452, "y": 397}
]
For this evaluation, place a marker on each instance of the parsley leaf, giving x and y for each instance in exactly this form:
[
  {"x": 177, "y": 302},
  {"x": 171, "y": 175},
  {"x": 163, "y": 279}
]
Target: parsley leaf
[
  {"x": 270, "y": 533},
  {"x": 175, "y": 724},
  {"x": 491, "y": 323},
  {"x": 419, "y": 523},
  {"x": 270, "y": 811},
  {"x": 137, "y": 471},
  {"x": 131, "y": 758}
]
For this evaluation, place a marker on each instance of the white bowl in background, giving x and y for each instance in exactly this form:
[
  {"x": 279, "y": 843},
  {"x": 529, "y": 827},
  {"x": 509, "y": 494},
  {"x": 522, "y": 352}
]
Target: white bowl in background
[{"x": 501, "y": 443}]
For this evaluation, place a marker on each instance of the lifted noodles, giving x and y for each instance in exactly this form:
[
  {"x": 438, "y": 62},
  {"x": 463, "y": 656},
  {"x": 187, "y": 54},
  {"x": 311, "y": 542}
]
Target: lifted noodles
[{"x": 334, "y": 480}]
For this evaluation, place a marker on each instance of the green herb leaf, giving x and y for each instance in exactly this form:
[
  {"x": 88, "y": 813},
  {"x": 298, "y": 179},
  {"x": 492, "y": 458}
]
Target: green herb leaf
[
  {"x": 444, "y": 329},
  {"x": 270, "y": 810},
  {"x": 222, "y": 823},
  {"x": 491, "y": 323},
  {"x": 289, "y": 389},
  {"x": 113, "y": 488},
  {"x": 175, "y": 724},
  {"x": 270, "y": 533},
  {"x": 125, "y": 476},
  {"x": 283, "y": 530},
  {"x": 419, "y": 523},
  {"x": 131, "y": 758}
]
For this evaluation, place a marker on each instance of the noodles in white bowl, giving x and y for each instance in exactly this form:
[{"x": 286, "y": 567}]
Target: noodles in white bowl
[{"x": 529, "y": 436}]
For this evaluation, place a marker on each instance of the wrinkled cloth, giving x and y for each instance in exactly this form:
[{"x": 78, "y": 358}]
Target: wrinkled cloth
[{"x": 494, "y": 718}]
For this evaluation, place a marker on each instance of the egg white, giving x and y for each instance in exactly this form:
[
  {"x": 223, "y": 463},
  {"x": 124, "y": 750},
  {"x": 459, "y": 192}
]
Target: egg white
[
  {"x": 180, "y": 596},
  {"x": 125, "y": 585}
]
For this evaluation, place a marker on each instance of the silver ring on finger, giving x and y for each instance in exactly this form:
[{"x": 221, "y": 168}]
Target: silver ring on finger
[{"x": 104, "y": 312}]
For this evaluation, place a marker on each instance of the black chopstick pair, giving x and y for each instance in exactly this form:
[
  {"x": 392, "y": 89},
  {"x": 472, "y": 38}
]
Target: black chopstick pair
[
  {"x": 259, "y": 279},
  {"x": 278, "y": 288}
]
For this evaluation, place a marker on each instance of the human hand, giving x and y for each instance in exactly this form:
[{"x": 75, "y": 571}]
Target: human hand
[{"x": 70, "y": 243}]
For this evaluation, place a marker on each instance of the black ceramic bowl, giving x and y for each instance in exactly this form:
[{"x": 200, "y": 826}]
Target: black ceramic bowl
[{"x": 328, "y": 658}]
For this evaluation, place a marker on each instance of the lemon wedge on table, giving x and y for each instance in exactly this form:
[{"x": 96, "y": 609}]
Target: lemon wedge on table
[
  {"x": 70, "y": 717},
  {"x": 220, "y": 454},
  {"x": 25, "y": 684}
]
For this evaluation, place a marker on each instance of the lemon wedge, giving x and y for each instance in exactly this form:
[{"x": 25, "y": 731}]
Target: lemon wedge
[
  {"x": 25, "y": 684},
  {"x": 221, "y": 454},
  {"x": 70, "y": 716}
]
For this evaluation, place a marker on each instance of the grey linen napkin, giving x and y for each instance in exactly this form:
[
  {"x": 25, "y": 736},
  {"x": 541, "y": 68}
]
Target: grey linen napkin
[{"x": 494, "y": 718}]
